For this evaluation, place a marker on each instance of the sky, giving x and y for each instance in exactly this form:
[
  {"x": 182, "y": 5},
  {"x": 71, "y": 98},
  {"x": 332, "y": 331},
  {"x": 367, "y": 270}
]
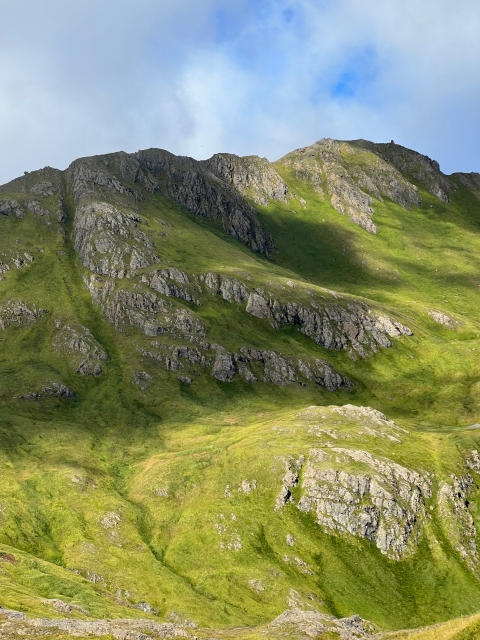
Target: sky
[{"x": 262, "y": 77}]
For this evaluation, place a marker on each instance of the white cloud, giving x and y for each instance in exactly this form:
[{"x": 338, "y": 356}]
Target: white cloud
[{"x": 236, "y": 75}]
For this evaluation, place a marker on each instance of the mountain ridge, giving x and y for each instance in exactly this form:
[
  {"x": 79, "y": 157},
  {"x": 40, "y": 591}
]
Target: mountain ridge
[{"x": 230, "y": 387}]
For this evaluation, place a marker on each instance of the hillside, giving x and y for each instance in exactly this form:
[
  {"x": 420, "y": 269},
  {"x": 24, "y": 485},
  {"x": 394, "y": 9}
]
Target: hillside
[{"x": 231, "y": 388}]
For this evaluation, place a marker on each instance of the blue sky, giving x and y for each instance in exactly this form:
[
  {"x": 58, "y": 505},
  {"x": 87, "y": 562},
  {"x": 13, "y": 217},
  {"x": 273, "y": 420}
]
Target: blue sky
[{"x": 244, "y": 76}]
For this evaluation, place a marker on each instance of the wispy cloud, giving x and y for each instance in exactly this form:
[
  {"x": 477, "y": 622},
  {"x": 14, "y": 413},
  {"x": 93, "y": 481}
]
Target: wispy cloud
[{"x": 245, "y": 76}]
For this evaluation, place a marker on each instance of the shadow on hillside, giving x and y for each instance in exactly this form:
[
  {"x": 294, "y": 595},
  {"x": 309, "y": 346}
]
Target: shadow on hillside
[{"x": 322, "y": 252}]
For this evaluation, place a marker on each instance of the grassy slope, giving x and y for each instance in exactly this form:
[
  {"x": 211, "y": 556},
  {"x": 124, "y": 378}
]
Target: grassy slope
[{"x": 195, "y": 440}]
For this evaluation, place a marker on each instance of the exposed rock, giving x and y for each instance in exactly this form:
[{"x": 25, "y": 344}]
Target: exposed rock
[
  {"x": 314, "y": 624},
  {"x": 334, "y": 327},
  {"x": 18, "y": 313},
  {"x": 185, "y": 380},
  {"x": 247, "y": 486},
  {"x": 276, "y": 368},
  {"x": 110, "y": 520},
  {"x": 52, "y": 389},
  {"x": 473, "y": 460},
  {"x": 108, "y": 241},
  {"x": 229, "y": 289},
  {"x": 453, "y": 501},
  {"x": 290, "y": 540},
  {"x": 351, "y": 179},
  {"x": 442, "y": 318},
  {"x": 469, "y": 180},
  {"x": 413, "y": 164},
  {"x": 194, "y": 187},
  {"x": 253, "y": 177},
  {"x": 290, "y": 480},
  {"x": 19, "y": 625},
  {"x": 224, "y": 366},
  {"x": 58, "y": 390},
  {"x": 322, "y": 372},
  {"x": 141, "y": 379},
  {"x": 256, "y": 585},
  {"x": 76, "y": 339},
  {"x": 161, "y": 282},
  {"x": 385, "y": 507},
  {"x": 11, "y": 208},
  {"x": 43, "y": 189}
]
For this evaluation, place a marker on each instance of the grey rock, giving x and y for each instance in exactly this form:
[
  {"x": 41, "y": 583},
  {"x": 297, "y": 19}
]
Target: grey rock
[
  {"x": 11, "y": 208},
  {"x": 19, "y": 313},
  {"x": 161, "y": 281},
  {"x": 224, "y": 366},
  {"x": 314, "y": 624},
  {"x": 337, "y": 168},
  {"x": 290, "y": 479},
  {"x": 229, "y": 289},
  {"x": 252, "y": 176},
  {"x": 141, "y": 379},
  {"x": 78, "y": 341},
  {"x": 351, "y": 325},
  {"x": 194, "y": 187},
  {"x": 185, "y": 380},
  {"x": 43, "y": 189},
  {"x": 385, "y": 507},
  {"x": 458, "y": 522},
  {"x": 108, "y": 241},
  {"x": 58, "y": 390},
  {"x": 410, "y": 163}
]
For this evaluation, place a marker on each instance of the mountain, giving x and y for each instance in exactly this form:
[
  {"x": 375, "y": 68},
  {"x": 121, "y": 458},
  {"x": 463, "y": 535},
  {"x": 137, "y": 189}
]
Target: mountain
[{"x": 235, "y": 392}]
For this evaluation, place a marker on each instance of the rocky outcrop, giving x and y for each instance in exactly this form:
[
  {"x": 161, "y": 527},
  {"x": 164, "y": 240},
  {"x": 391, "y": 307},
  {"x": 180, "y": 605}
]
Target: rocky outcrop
[
  {"x": 352, "y": 326},
  {"x": 412, "y": 164},
  {"x": 109, "y": 242},
  {"x": 172, "y": 283},
  {"x": 11, "y": 208},
  {"x": 352, "y": 178},
  {"x": 19, "y": 625},
  {"x": 453, "y": 505},
  {"x": 19, "y": 313},
  {"x": 382, "y": 502},
  {"x": 18, "y": 259},
  {"x": 293, "y": 466},
  {"x": 79, "y": 343},
  {"x": 51, "y": 389},
  {"x": 442, "y": 318},
  {"x": 312, "y": 624},
  {"x": 229, "y": 289},
  {"x": 185, "y": 181},
  {"x": 253, "y": 177},
  {"x": 224, "y": 368}
]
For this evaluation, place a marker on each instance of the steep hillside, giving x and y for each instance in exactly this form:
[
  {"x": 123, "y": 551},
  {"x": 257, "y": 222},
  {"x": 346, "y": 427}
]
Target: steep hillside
[{"x": 232, "y": 387}]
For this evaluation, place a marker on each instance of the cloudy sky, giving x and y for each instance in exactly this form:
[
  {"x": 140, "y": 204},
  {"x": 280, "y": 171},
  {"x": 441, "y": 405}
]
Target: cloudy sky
[{"x": 245, "y": 76}]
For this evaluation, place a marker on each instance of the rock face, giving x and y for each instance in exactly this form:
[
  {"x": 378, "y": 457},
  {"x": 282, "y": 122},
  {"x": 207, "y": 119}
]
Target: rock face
[
  {"x": 313, "y": 624},
  {"x": 253, "y": 177},
  {"x": 79, "y": 342},
  {"x": 192, "y": 186},
  {"x": 20, "y": 625},
  {"x": 229, "y": 289},
  {"x": 19, "y": 313},
  {"x": 129, "y": 178},
  {"x": 11, "y": 208},
  {"x": 109, "y": 242},
  {"x": 52, "y": 389},
  {"x": 442, "y": 318},
  {"x": 352, "y": 178},
  {"x": 352, "y": 326},
  {"x": 454, "y": 507},
  {"x": 413, "y": 164},
  {"x": 384, "y": 502}
]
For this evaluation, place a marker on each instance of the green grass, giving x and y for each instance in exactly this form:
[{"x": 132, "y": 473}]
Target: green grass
[{"x": 126, "y": 445}]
